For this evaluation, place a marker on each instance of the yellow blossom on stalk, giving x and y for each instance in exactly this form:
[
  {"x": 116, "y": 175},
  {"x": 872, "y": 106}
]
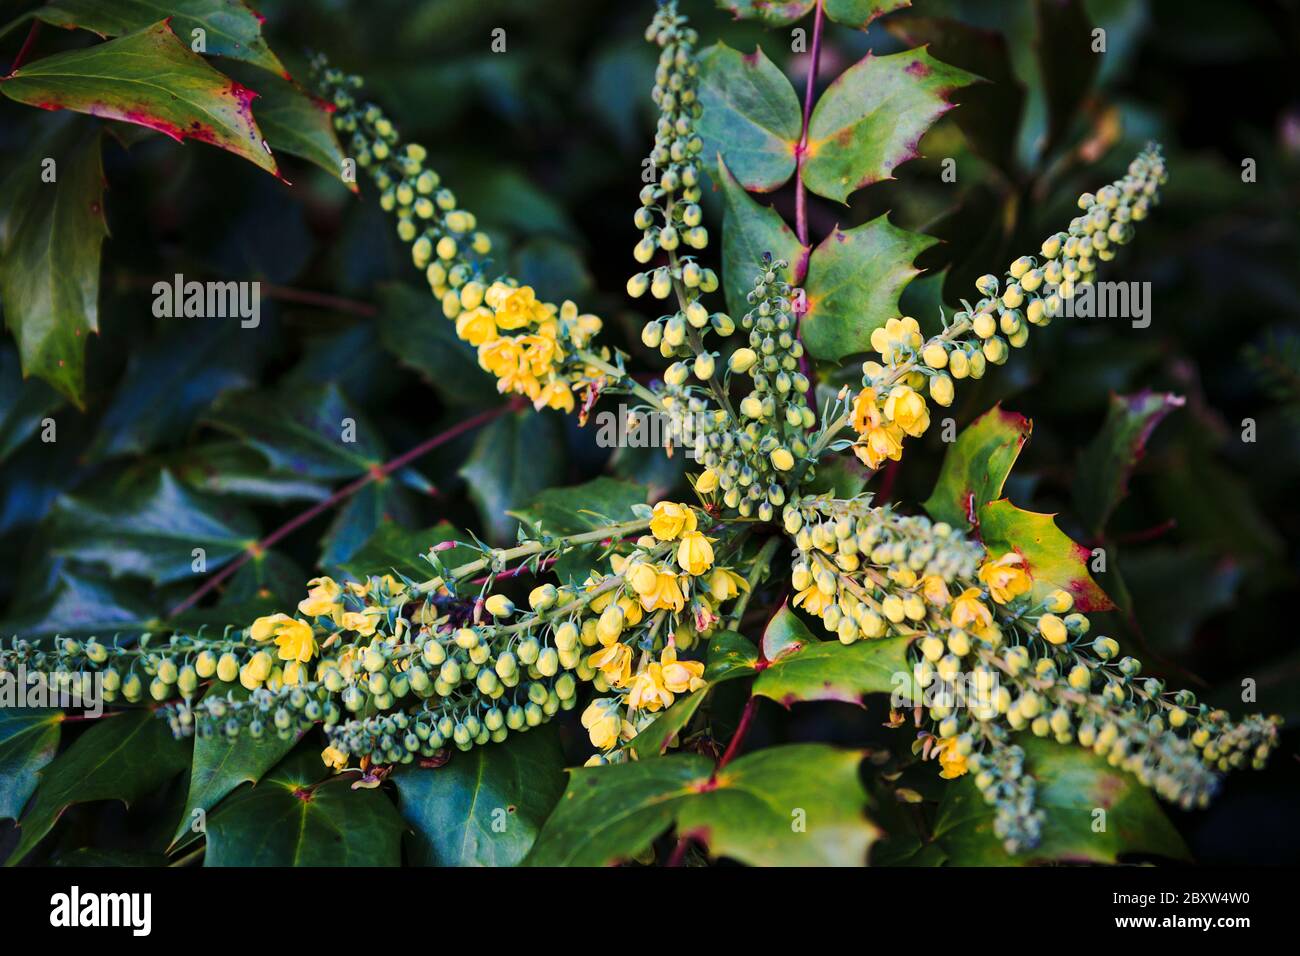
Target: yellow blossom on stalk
[
  {"x": 647, "y": 690},
  {"x": 294, "y": 638},
  {"x": 334, "y": 758},
  {"x": 969, "y": 612},
  {"x": 906, "y": 408},
  {"x": 707, "y": 483},
  {"x": 363, "y": 622},
  {"x": 896, "y": 337},
  {"x": 669, "y": 519},
  {"x": 582, "y": 328},
  {"x": 878, "y": 440},
  {"x": 602, "y": 722},
  {"x": 935, "y": 590},
  {"x": 694, "y": 553},
  {"x": 680, "y": 677},
  {"x": 952, "y": 762},
  {"x": 725, "y": 584},
  {"x": 614, "y": 661},
  {"x": 667, "y": 594},
  {"x": 1005, "y": 577},
  {"x": 477, "y": 326},
  {"x": 556, "y": 393},
  {"x": 516, "y": 308},
  {"x": 814, "y": 600},
  {"x": 324, "y": 599}
]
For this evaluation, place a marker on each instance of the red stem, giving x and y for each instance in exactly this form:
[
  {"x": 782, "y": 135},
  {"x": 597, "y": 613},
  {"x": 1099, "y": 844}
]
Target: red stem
[
  {"x": 377, "y": 472},
  {"x": 26, "y": 47},
  {"x": 746, "y": 718}
]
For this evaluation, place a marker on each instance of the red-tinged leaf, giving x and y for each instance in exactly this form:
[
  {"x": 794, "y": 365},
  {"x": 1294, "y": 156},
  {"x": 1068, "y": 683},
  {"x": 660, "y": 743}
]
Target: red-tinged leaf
[
  {"x": 1053, "y": 560},
  {"x": 855, "y": 277},
  {"x": 860, "y": 13},
  {"x": 976, "y": 466},
  {"x": 1101, "y": 481},
  {"x": 872, "y": 118},
  {"x": 51, "y": 238},
  {"x": 152, "y": 79},
  {"x": 230, "y": 28},
  {"x": 773, "y": 13}
]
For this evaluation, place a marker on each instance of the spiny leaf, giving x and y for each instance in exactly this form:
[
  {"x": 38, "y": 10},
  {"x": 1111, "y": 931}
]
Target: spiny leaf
[
  {"x": 751, "y": 116},
  {"x": 29, "y": 738},
  {"x": 51, "y": 235},
  {"x": 296, "y": 122},
  {"x": 149, "y": 78},
  {"x": 976, "y": 466},
  {"x": 229, "y": 27},
  {"x": 854, "y": 280},
  {"x": 773, "y": 13},
  {"x": 1101, "y": 481},
  {"x": 872, "y": 118},
  {"x": 1052, "y": 559},
  {"x": 750, "y": 229},
  {"x": 860, "y": 13}
]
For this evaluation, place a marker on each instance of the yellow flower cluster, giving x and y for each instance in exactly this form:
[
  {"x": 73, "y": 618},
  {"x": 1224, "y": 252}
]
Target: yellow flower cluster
[{"x": 524, "y": 342}]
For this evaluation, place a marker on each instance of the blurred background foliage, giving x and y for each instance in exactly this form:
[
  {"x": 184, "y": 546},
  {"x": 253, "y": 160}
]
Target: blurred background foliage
[{"x": 203, "y": 431}]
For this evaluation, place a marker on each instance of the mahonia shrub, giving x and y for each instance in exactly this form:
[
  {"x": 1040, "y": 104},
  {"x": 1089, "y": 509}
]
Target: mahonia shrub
[{"x": 779, "y": 576}]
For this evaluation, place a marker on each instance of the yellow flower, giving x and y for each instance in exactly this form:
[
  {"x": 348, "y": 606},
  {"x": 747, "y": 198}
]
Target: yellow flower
[
  {"x": 897, "y": 336},
  {"x": 707, "y": 483},
  {"x": 935, "y": 590},
  {"x": 647, "y": 691},
  {"x": 969, "y": 612},
  {"x": 555, "y": 394},
  {"x": 294, "y": 638},
  {"x": 477, "y": 326},
  {"x": 1006, "y": 578},
  {"x": 519, "y": 309},
  {"x": 264, "y": 628},
  {"x": 813, "y": 600},
  {"x": 906, "y": 408},
  {"x": 694, "y": 553},
  {"x": 953, "y": 764},
  {"x": 1053, "y": 629},
  {"x": 294, "y": 673},
  {"x": 334, "y": 758},
  {"x": 680, "y": 676},
  {"x": 665, "y": 594},
  {"x": 363, "y": 622},
  {"x": 582, "y": 328},
  {"x": 884, "y": 442},
  {"x": 670, "y": 519},
  {"x": 323, "y": 598},
  {"x": 725, "y": 584},
  {"x": 602, "y": 721},
  {"x": 615, "y": 661},
  {"x": 540, "y": 353}
]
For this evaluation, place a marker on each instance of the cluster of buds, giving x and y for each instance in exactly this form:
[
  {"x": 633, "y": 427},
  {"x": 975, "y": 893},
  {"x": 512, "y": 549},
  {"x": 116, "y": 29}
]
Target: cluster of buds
[{"x": 892, "y": 407}]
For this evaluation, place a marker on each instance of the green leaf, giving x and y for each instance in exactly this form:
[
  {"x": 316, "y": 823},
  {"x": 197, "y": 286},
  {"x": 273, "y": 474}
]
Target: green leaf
[
  {"x": 860, "y": 13},
  {"x": 78, "y": 606},
  {"x": 304, "y": 432},
  {"x": 151, "y": 530},
  {"x": 803, "y": 668},
  {"x": 976, "y": 466},
  {"x": 1066, "y": 62},
  {"x": 854, "y": 279},
  {"x": 222, "y": 764},
  {"x": 23, "y": 405},
  {"x": 300, "y": 815},
  {"x": 230, "y": 28},
  {"x": 730, "y": 655},
  {"x": 122, "y": 757},
  {"x": 657, "y": 738},
  {"x": 554, "y": 268},
  {"x": 751, "y": 116},
  {"x": 149, "y": 78},
  {"x": 796, "y": 805},
  {"x": 297, "y": 123},
  {"x": 991, "y": 112},
  {"x": 585, "y": 507},
  {"x": 872, "y": 118},
  {"x": 1072, "y": 784},
  {"x": 232, "y": 468},
  {"x": 29, "y": 738},
  {"x": 394, "y": 548},
  {"x": 268, "y": 580},
  {"x": 512, "y": 461},
  {"x": 483, "y": 807},
  {"x": 1101, "y": 480},
  {"x": 413, "y": 328},
  {"x": 1052, "y": 559},
  {"x": 750, "y": 229},
  {"x": 51, "y": 237},
  {"x": 773, "y": 13},
  {"x": 376, "y": 506}
]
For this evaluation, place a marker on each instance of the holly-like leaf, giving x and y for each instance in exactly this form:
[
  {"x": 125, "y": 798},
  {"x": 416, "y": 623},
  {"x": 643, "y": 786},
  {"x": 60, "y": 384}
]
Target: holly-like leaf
[
  {"x": 152, "y": 79},
  {"x": 730, "y": 655},
  {"x": 222, "y": 763},
  {"x": 1101, "y": 480},
  {"x": 872, "y": 118},
  {"x": 773, "y": 13},
  {"x": 854, "y": 279},
  {"x": 298, "y": 123},
  {"x": 751, "y": 116},
  {"x": 750, "y": 229},
  {"x": 376, "y": 506},
  {"x": 1073, "y": 784},
  {"x": 991, "y": 112},
  {"x": 860, "y": 13},
  {"x": 229, "y": 28},
  {"x": 747, "y": 813},
  {"x": 394, "y": 548},
  {"x": 78, "y": 606},
  {"x": 584, "y": 507},
  {"x": 51, "y": 237},
  {"x": 232, "y": 468},
  {"x": 29, "y": 738},
  {"x": 1052, "y": 559},
  {"x": 976, "y": 466},
  {"x": 512, "y": 461},
  {"x": 483, "y": 807},
  {"x": 151, "y": 530},
  {"x": 122, "y": 757},
  {"x": 413, "y": 328},
  {"x": 805, "y": 668},
  {"x": 300, "y": 815}
]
